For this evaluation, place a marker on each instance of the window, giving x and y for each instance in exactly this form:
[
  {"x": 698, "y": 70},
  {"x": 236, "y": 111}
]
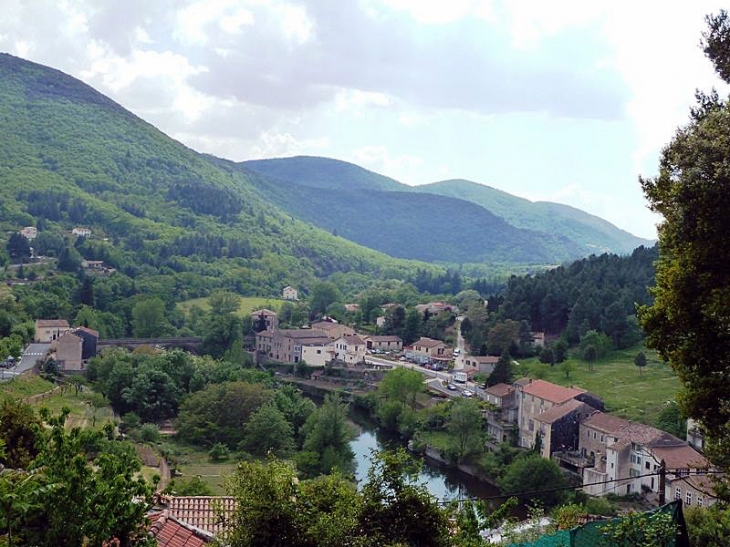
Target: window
[
  {"x": 678, "y": 494},
  {"x": 532, "y": 425},
  {"x": 633, "y": 473},
  {"x": 699, "y": 501},
  {"x": 611, "y": 465},
  {"x": 689, "y": 499},
  {"x": 647, "y": 466},
  {"x": 594, "y": 435},
  {"x": 601, "y": 438}
]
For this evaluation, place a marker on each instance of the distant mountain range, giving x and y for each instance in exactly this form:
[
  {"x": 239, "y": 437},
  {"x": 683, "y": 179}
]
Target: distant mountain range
[
  {"x": 454, "y": 221},
  {"x": 69, "y": 156}
]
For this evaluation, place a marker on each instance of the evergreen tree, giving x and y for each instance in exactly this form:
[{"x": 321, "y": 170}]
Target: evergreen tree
[{"x": 502, "y": 373}]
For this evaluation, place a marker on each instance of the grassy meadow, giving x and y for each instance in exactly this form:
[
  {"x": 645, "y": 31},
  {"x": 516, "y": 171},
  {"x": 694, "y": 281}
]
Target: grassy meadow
[
  {"x": 192, "y": 461},
  {"x": 627, "y": 391},
  {"x": 248, "y": 304},
  {"x": 81, "y": 413}
]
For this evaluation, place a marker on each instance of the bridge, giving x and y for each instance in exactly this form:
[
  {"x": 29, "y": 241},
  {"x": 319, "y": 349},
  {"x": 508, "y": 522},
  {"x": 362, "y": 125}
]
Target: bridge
[{"x": 191, "y": 344}]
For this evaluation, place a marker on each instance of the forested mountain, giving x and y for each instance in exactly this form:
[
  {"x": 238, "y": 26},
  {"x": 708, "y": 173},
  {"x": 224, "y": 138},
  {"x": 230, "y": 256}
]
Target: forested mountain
[
  {"x": 356, "y": 199},
  {"x": 69, "y": 156},
  {"x": 589, "y": 231},
  {"x": 324, "y": 173},
  {"x": 415, "y": 226}
]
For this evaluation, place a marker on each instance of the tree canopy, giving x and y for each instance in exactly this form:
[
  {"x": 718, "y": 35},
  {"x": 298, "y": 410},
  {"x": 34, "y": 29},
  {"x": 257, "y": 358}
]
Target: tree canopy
[{"x": 689, "y": 321}]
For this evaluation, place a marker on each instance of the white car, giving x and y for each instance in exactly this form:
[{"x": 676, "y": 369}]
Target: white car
[
  {"x": 457, "y": 351},
  {"x": 467, "y": 393}
]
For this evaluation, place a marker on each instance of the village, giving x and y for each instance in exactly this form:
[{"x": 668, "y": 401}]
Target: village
[{"x": 610, "y": 455}]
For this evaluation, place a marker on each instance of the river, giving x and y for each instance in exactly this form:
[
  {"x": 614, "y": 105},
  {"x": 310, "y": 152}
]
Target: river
[{"x": 442, "y": 482}]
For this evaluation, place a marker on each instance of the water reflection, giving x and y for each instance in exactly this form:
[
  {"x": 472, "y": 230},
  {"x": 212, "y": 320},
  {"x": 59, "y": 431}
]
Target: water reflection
[{"x": 442, "y": 482}]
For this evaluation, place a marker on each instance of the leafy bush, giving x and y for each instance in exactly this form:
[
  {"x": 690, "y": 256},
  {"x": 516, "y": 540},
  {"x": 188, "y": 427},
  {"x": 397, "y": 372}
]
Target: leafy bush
[{"x": 219, "y": 452}]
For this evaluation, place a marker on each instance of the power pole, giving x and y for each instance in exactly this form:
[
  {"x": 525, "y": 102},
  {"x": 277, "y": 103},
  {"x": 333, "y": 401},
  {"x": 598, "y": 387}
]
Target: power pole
[{"x": 662, "y": 483}]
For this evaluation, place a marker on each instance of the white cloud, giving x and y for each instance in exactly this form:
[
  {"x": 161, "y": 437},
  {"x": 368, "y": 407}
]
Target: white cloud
[
  {"x": 23, "y": 48},
  {"x": 295, "y": 23},
  {"x": 355, "y": 100},
  {"x": 440, "y": 12},
  {"x": 232, "y": 23},
  {"x": 274, "y": 144},
  {"x": 402, "y": 167}
]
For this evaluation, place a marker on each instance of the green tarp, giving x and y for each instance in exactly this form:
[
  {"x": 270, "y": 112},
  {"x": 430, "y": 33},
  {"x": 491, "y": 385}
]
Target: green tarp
[{"x": 589, "y": 535}]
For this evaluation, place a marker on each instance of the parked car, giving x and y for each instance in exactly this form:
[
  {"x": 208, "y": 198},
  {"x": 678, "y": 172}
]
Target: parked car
[
  {"x": 467, "y": 393},
  {"x": 451, "y": 386},
  {"x": 457, "y": 351}
]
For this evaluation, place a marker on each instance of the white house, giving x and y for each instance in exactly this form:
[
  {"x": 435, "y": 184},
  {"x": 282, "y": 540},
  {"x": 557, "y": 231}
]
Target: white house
[
  {"x": 349, "y": 349},
  {"x": 289, "y": 293},
  {"x": 81, "y": 232},
  {"x": 29, "y": 232}
]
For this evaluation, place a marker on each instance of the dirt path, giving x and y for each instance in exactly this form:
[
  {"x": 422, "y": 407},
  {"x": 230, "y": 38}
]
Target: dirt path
[{"x": 164, "y": 475}]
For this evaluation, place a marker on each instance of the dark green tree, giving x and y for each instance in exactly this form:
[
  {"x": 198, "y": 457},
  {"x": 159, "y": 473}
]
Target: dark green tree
[
  {"x": 322, "y": 296},
  {"x": 465, "y": 428},
  {"x": 268, "y": 431},
  {"x": 688, "y": 321},
  {"x": 396, "y": 510},
  {"x": 153, "y": 395},
  {"x": 533, "y": 477},
  {"x": 148, "y": 318},
  {"x": 502, "y": 372},
  {"x": 327, "y": 435},
  {"x": 18, "y": 247},
  {"x": 19, "y": 428}
]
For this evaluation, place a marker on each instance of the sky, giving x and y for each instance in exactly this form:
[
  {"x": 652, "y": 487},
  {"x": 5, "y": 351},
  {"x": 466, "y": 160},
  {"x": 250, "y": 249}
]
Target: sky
[{"x": 567, "y": 101}]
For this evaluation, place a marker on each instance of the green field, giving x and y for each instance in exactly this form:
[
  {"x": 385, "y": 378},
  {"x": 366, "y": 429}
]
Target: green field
[
  {"x": 626, "y": 391},
  {"x": 248, "y": 304},
  {"x": 192, "y": 461},
  {"x": 24, "y": 386}
]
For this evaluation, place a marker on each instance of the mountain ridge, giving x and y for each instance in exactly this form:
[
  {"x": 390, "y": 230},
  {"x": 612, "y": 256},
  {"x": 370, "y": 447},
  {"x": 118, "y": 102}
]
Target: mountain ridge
[{"x": 572, "y": 233}]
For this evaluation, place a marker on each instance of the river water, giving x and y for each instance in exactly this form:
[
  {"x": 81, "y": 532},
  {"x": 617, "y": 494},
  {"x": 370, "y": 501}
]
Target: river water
[{"x": 443, "y": 483}]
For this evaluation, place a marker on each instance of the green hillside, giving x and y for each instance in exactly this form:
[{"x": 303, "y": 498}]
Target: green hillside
[
  {"x": 592, "y": 233},
  {"x": 417, "y": 226},
  {"x": 503, "y": 228},
  {"x": 324, "y": 173},
  {"x": 69, "y": 156}
]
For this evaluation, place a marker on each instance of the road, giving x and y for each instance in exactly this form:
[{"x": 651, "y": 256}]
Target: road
[
  {"x": 428, "y": 373},
  {"x": 32, "y": 354}
]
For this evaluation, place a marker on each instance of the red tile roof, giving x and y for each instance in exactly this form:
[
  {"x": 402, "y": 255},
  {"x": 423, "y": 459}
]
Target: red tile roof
[
  {"x": 208, "y": 513},
  {"x": 606, "y": 423},
  {"x": 428, "y": 343},
  {"x": 500, "y": 390},
  {"x": 680, "y": 457},
  {"x": 551, "y": 392},
  {"x": 555, "y": 413},
  {"x": 169, "y": 532}
]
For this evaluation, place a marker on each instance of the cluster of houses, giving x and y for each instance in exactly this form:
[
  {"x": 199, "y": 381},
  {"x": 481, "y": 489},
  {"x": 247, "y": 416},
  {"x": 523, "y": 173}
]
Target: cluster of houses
[
  {"x": 323, "y": 343},
  {"x": 610, "y": 454},
  {"x": 71, "y": 348}
]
